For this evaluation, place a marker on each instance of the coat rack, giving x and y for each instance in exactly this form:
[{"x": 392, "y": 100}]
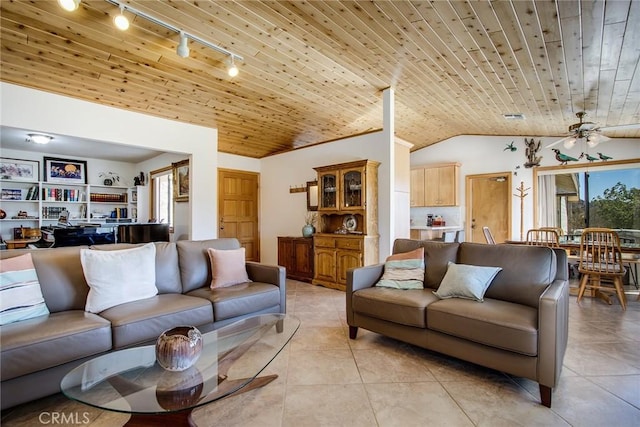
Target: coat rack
[{"x": 521, "y": 190}]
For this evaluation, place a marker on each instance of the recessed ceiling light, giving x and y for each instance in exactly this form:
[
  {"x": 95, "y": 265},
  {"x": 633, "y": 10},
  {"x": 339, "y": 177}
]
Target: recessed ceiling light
[
  {"x": 39, "y": 138},
  {"x": 513, "y": 116}
]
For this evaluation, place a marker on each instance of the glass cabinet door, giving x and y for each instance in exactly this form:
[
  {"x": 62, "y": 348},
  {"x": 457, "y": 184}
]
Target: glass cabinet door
[
  {"x": 352, "y": 189},
  {"x": 328, "y": 190}
]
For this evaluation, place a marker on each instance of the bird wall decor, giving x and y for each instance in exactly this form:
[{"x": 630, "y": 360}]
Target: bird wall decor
[
  {"x": 587, "y": 156},
  {"x": 563, "y": 158},
  {"x": 603, "y": 157},
  {"x": 510, "y": 147},
  {"x": 532, "y": 150}
]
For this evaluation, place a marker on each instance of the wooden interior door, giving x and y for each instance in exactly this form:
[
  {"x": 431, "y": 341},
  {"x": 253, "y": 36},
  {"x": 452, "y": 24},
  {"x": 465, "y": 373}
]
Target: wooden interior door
[
  {"x": 488, "y": 203},
  {"x": 238, "y": 209}
]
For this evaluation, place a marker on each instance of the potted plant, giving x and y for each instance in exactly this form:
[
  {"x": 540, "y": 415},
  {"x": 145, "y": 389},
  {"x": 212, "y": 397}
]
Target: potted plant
[{"x": 309, "y": 221}]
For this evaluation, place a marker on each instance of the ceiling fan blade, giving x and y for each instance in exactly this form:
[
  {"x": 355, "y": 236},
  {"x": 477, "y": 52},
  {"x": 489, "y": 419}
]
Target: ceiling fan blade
[
  {"x": 560, "y": 141},
  {"x": 620, "y": 127}
]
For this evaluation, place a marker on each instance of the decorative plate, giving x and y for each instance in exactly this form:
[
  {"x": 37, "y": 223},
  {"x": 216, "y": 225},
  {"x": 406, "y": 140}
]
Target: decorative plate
[{"x": 350, "y": 222}]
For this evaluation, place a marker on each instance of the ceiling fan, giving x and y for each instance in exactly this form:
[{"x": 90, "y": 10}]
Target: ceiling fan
[{"x": 588, "y": 131}]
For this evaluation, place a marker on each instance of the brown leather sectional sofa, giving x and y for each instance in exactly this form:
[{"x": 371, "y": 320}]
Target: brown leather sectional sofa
[
  {"x": 521, "y": 327},
  {"x": 37, "y": 353}
]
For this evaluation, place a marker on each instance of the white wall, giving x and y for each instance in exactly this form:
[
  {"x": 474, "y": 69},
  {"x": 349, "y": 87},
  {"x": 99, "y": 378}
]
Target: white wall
[
  {"x": 486, "y": 154},
  {"x": 45, "y": 112},
  {"x": 282, "y": 213}
]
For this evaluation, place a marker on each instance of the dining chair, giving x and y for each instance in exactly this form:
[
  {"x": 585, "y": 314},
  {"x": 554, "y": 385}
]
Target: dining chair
[
  {"x": 543, "y": 237},
  {"x": 601, "y": 264},
  {"x": 488, "y": 235},
  {"x": 459, "y": 236},
  {"x": 449, "y": 236}
]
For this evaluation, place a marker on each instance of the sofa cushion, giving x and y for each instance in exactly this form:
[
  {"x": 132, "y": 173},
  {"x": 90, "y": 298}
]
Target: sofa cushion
[
  {"x": 144, "y": 320},
  {"x": 227, "y": 267},
  {"x": 20, "y": 293},
  {"x": 120, "y": 276},
  {"x": 527, "y": 270},
  {"x": 406, "y": 307},
  {"x": 195, "y": 268},
  {"x": 60, "y": 276},
  {"x": 46, "y": 341},
  {"x": 240, "y": 300},
  {"x": 466, "y": 281},
  {"x": 404, "y": 270},
  {"x": 437, "y": 255},
  {"x": 494, "y": 323},
  {"x": 167, "y": 270}
]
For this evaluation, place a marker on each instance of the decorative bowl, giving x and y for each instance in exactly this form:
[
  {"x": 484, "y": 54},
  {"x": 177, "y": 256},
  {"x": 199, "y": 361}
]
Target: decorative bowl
[{"x": 179, "y": 348}]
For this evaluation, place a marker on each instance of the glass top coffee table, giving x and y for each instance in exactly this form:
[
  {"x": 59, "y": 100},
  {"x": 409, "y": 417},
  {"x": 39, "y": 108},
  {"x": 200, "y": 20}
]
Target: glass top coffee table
[{"x": 131, "y": 381}]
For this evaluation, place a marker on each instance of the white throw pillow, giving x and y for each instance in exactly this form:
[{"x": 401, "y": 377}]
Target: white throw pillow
[
  {"x": 466, "y": 281},
  {"x": 119, "y": 276}
]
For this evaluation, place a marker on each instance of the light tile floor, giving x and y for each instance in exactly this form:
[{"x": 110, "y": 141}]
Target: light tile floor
[{"x": 325, "y": 379}]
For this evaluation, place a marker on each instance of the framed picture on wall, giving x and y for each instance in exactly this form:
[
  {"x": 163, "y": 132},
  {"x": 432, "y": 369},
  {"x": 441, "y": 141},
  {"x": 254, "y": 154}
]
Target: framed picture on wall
[
  {"x": 181, "y": 181},
  {"x": 65, "y": 171},
  {"x": 19, "y": 170}
]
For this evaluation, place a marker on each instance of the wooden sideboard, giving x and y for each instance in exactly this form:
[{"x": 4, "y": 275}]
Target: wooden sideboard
[{"x": 296, "y": 255}]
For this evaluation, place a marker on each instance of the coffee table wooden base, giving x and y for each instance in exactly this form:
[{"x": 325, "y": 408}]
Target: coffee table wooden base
[{"x": 183, "y": 418}]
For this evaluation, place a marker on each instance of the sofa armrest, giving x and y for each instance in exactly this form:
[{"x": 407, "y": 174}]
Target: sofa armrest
[
  {"x": 553, "y": 331},
  {"x": 272, "y": 274},
  {"x": 360, "y": 278}
]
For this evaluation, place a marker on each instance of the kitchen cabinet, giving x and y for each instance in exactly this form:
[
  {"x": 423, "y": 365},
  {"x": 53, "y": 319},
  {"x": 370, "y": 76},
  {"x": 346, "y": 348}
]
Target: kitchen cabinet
[
  {"x": 296, "y": 255},
  {"x": 435, "y": 185},
  {"x": 347, "y": 229}
]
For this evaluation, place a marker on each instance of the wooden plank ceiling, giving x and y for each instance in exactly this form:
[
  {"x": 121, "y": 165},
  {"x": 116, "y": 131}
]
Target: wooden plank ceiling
[{"x": 314, "y": 71}]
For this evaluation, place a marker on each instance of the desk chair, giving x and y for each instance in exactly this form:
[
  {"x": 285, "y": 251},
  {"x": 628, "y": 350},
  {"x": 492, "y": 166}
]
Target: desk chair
[
  {"x": 488, "y": 235},
  {"x": 543, "y": 237},
  {"x": 601, "y": 258}
]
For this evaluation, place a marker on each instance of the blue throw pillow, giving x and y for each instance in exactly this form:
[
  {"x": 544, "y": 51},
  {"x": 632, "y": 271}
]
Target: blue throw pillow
[{"x": 466, "y": 281}]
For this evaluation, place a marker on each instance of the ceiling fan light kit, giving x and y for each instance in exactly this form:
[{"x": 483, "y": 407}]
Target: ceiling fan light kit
[
  {"x": 182, "y": 50},
  {"x": 589, "y": 132}
]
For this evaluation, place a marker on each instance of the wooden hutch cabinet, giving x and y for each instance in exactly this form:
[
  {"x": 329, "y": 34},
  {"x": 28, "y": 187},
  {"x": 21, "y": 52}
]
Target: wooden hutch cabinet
[
  {"x": 296, "y": 255},
  {"x": 347, "y": 229}
]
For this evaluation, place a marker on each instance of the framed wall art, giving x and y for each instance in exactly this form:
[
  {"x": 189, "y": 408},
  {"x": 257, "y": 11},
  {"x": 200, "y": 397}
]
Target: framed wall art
[
  {"x": 19, "y": 170},
  {"x": 65, "y": 171},
  {"x": 181, "y": 181}
]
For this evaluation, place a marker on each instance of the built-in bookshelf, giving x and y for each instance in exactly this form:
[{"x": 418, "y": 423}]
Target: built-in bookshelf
[{"x": 37, "y": 204}]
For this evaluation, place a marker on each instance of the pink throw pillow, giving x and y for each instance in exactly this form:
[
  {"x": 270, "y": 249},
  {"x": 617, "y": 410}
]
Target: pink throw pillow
[{"x": 227, "y": 267}]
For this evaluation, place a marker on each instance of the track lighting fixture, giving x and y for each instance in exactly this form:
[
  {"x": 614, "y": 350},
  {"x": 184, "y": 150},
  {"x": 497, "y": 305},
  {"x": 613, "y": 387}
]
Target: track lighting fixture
[
  {"x": 233, "y": 70},
  {"x": 121, "y": 21},
  {"x": 69, "y": 5},
  {"x": 183, "y": 47},
  {"x": 39, "y": 138}
]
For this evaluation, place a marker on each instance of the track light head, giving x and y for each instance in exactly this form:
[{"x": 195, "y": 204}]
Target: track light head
[
  {"x": 233, "y": 70},
  {"x": 121, "y": 22},
  {"x": 69, "y": 5},
  {"x": 183, "y": 48}
]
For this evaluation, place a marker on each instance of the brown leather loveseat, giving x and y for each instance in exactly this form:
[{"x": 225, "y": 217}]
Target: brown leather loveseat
[
  {"x": 520, "y": 328},
  {"x": 36, "y": 353}
]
